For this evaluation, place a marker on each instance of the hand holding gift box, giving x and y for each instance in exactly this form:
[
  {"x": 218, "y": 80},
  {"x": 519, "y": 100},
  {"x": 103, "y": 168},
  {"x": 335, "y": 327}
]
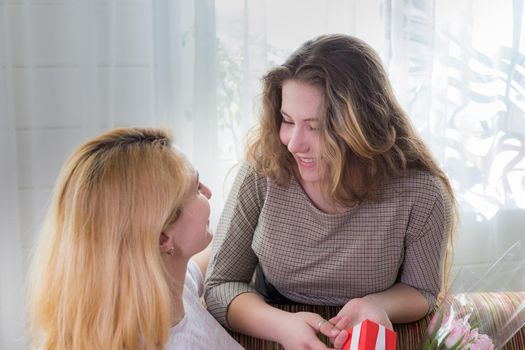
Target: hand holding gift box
[{"x": 369, "y": 335}]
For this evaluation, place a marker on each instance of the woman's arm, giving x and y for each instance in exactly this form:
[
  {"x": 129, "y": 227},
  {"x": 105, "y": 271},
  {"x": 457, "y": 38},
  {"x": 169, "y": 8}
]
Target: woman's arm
[
  {"x": 398, "y": 304},
  {"x": 249, "y": 314},
  {"x": 421, "y": 273},
  {"x": 233, "y": 260},
  {"x": 401, "y": 303}
]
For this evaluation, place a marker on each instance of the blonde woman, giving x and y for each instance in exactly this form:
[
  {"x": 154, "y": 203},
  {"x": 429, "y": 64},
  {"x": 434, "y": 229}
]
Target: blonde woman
[
  {"x": 113, "y": 268},
  {"x": 339, "y": 203}
]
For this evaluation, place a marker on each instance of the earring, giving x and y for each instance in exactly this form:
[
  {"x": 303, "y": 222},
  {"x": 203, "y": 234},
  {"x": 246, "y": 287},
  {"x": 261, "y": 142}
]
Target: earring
[{"x": 171, "y": 251}]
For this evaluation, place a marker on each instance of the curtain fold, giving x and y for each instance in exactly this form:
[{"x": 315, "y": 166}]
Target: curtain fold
[
  {"x": 12, "y": 320},
  {"x": 12, "y": 326},
  {"x": 204, "y": 112}
]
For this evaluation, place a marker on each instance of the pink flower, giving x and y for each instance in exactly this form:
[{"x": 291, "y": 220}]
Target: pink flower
[
  {"x": 459, "y": 334},
  {"x": 473, "y": 336},
  {"x": 447, "y": 332},
  {"x": 432, "y": 324},
  {"x": 482, "y": 342}
]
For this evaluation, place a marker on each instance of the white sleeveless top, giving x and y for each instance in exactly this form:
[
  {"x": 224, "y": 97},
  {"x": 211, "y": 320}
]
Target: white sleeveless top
[{"x": 198, "y": 329}]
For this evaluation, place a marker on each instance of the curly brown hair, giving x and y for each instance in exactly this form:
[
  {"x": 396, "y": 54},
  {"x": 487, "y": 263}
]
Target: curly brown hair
[{"x": 366, "y": 137}]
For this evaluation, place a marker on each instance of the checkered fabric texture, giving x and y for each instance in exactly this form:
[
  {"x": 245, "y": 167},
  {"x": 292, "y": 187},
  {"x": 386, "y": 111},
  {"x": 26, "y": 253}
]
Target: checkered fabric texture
[{"x": 316, "y": 258}]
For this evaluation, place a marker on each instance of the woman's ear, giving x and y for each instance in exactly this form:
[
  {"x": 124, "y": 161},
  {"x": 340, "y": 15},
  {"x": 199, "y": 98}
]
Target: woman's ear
[{"x": 165, "y": 243}]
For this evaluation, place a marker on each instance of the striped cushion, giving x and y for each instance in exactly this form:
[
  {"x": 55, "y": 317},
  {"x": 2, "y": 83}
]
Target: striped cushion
[{"x": 488, "y": 306}]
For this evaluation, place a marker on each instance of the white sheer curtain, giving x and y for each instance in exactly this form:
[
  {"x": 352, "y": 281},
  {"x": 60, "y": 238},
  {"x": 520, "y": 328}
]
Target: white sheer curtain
[
  {"x": 458, "y": 68},
  {"x": 70, "y": 69},
  {"x": 11, "y": 270}
]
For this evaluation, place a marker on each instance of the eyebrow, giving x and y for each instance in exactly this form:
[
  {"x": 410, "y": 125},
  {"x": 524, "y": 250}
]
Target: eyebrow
[{"x": 315, "y": 119}]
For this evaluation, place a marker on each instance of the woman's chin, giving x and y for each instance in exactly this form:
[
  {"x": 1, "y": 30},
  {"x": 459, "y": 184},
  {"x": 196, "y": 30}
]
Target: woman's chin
[
  {"x": 309, "y": 177},
  {"x": 208, "y": 236}
]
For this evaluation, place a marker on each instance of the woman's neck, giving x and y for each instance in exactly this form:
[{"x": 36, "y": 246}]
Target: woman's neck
[
  {"x": 313, "y": 191},
  {"x": 176, "y": 267}
]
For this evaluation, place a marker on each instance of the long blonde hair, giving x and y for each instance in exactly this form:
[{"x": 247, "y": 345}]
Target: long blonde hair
[
  {"x": 366, "y": 137},
  {"x": 97, "y": 279}
]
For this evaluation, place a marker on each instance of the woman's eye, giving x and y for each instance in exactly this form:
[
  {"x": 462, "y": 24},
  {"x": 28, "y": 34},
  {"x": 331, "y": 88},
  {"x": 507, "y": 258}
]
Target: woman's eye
[{"x": 287, "y": 121}]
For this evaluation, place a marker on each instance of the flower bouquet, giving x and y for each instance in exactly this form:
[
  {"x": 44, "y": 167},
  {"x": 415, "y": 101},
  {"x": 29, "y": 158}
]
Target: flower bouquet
[{"x": 459, "y": 324}]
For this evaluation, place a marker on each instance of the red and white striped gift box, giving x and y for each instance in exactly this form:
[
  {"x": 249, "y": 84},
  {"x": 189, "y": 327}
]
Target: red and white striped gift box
[{"x": 368, "y": 335}]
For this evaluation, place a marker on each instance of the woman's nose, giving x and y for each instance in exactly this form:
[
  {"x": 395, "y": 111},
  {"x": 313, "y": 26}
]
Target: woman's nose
[
  {"x": 205, "y": 190},
  {"x": 297, "y": 142}
]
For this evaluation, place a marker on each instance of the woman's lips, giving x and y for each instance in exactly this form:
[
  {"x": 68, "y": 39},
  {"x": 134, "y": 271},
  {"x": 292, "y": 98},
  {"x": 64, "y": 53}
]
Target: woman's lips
[{"x": 305, "y": 162}]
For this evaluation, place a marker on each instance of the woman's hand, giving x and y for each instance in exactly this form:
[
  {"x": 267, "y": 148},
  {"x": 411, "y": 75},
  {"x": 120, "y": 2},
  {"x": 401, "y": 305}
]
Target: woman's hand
[
  {"x": 338, "y": 336},
  {"x": 360, "y": 309},
  {"x": 299, "y": 331},
  {"x": 354, "y": 312}
]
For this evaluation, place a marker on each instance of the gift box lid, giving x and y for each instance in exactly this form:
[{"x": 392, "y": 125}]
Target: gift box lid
[{"x": 369, "y": 335}]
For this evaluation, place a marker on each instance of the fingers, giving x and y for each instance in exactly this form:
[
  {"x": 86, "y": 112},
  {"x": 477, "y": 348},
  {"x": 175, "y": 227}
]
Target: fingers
[
  {"x": 316, "y": 343},
  {"x": 327, "y": 328},
  {"x": 335, "y": 319},
  {"x": 340, "y": 339},
  {"x": 342, "y": 322}
]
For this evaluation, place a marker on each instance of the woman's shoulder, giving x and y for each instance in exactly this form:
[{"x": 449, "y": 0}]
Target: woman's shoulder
[
  {"x": 416, "y": 183},
  {"x": 418, "y": 177},
  {"x": 247, "y": 171},
  {"x": 248, "y": 186}
]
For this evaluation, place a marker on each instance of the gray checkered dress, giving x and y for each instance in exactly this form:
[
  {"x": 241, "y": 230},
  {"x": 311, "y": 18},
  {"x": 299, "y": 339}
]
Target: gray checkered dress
[{"x": 312, "y": 257}]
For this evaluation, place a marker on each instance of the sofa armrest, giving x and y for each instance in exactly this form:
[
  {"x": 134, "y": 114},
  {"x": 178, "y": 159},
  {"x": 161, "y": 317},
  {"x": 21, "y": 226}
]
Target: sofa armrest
[{"x": 497, "y": 306}]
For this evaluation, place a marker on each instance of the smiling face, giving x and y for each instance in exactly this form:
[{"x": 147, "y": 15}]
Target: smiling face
[
  {"x": 300, "y": 109},
  {"x": 191, "y": 232}
]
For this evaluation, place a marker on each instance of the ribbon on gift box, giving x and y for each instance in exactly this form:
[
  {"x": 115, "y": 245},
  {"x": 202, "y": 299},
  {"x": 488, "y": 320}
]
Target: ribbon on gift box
[{"x": 369, "y": 335}]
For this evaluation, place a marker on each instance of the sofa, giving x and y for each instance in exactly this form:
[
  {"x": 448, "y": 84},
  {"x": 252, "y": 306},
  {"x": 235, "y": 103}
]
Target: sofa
[{"x": 487, "y": 306}]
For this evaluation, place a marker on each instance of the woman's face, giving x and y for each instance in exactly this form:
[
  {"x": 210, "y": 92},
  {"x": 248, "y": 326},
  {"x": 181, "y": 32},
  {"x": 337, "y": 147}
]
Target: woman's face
[
  {"x": 300, "y": 110},
  {"x": 191, "y": 232}
]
